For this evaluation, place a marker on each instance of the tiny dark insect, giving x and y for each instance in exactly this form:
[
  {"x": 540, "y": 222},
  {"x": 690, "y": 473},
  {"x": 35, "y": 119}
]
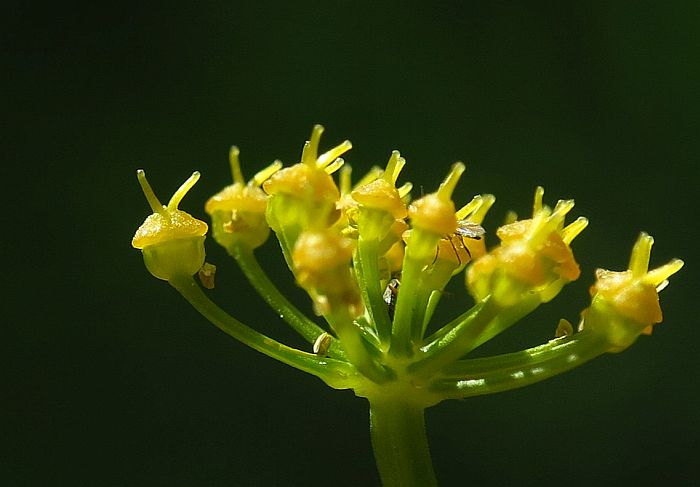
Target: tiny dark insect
[
  {"x": 465, "y": 229},
  {"x": 469, "y": 229},
  {"x": 390, "y": 294}
]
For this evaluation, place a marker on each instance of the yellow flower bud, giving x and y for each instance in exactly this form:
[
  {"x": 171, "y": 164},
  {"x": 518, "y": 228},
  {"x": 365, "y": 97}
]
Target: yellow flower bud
[
  {"x": 322, "y": 267},
  {"x": 433, "y": 213}
]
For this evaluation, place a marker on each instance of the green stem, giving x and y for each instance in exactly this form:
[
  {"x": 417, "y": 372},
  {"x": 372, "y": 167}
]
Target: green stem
[
  {"x": 468, "y": 331},
  {"x": 400, "y": 443},
  {"x": 286, "y": 310},
  {"x": 475, "y": 377},
  {"x": 367, "y": 262},
  {"x": 358, "y": 350},
  {"x": 336, "y": 373},
  {"x": 411, "y": 303},
  {"x": 408, "y": 316}
]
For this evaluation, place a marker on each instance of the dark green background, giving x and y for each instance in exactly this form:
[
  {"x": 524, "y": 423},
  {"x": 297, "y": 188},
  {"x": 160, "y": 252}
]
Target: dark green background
[{"x": 110, "y": 379}]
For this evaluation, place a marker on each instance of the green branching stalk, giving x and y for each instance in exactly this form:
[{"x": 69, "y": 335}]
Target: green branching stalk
[
  {"x": 336, "y": 373},
  {"x": 367, "y": 273},
  {"x": 473, "y": 377},
  {"x": 257, "y": 277}
]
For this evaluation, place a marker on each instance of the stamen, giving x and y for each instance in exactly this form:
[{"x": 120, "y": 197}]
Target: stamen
[
  {"x": 562, "y": 208},
  {"x": 373, "y": 174},
  {"x": 309, "y": 154},
  {"x": 334, "y": 166},
  {"x": 151, "y": 197},
  {"x": 639, "y": 260},
  {"x": 235, "y": 165},
  {"x": 345, "y": 180},
  {"x": 573, "y": 229},
  {"x": 393, "y": 167},
  {"x": 447, "y": 187},
  {"x": 537, "y": 205},
  {"x": 182, "y": 191},
  {"x": 262, "y": 176},
  {"x": 657, "y": 277},
  {"x": 470, "y": 207},
  {"x": 332, "y": 155},
  {"x": 487, "y": 201},
  {"x": 405, "y": 189}
]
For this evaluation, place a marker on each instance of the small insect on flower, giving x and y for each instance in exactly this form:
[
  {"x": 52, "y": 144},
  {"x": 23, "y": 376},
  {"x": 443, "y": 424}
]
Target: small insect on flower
[
  {"x": 469, "y": 229},
  {"x": 465, "y": 229},
  {"x": 390, "y": 294}
]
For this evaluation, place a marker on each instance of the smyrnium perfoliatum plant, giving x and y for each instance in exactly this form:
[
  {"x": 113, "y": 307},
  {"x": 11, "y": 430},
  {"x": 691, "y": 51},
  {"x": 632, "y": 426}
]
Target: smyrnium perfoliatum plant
[{"x": 375, "y": 263}]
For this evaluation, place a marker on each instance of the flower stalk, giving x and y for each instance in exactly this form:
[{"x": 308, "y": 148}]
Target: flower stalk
[{"x": 374, "y": 265}]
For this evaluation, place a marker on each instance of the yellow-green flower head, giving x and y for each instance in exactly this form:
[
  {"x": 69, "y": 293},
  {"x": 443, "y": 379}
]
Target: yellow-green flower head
[
  {"x": 379, "y": 211},
  {"x": 534, "y": 256},
  {"x": 346, "y": 203},
  {"x": 469, "y": 242},
  {"x": 238, "y": 210},
  {"x": 382, "y": 194},
  {"x": 172, "y": 241},
  {"x": 310, "y": 179},
  {"x": 432, "y": 217},
  {"x": 304, "y": 194},
  {"x": 626, "y": 304},
  {"x": 322, "y": 267},
  {"x": 435, "y": 212}
]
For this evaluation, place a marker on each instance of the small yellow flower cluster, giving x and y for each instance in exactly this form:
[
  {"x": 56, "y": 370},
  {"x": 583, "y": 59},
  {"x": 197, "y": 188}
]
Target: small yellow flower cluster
[{"x": 350, "y": 248}]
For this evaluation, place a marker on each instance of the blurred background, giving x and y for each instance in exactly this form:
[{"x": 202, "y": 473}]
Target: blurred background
[{"x": 111, "y": 379}]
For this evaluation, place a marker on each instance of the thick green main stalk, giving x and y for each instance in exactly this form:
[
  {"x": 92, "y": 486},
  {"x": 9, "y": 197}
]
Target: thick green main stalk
[{"x": 400, "y": 443}]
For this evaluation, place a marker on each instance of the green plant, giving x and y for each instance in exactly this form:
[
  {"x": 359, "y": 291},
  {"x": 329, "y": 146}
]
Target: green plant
[{"x": 346, "y": 246}]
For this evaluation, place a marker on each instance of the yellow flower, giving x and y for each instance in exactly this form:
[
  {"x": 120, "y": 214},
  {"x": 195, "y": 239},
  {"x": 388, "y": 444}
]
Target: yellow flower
[
  {"x": 238, "y": 210},
  {"x": 626, "y": 304},
  {"x": 322, "y": 267},
  {"x": 306, "y": 191},
  {"x": 304, "y": 195},
  {"x": 171, "y": 240},
  {"x": 534, "y": 256},
  {"x": 468, "y": 242},
  {"x": 432, "y": 217}
]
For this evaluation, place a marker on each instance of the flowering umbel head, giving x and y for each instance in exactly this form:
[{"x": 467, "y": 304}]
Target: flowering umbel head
[
  {"x": 171, "y": 240},
  {"x": 626, "y": 304},
  {"x": 375, "y": 268}
]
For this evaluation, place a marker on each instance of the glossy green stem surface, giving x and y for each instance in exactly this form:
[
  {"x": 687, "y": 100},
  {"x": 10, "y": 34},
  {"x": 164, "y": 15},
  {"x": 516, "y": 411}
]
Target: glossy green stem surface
[
  {"x": 336, "y": 373},
  {"x": 245, "y": 257},
  {"x": 400, "y": 443}
]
